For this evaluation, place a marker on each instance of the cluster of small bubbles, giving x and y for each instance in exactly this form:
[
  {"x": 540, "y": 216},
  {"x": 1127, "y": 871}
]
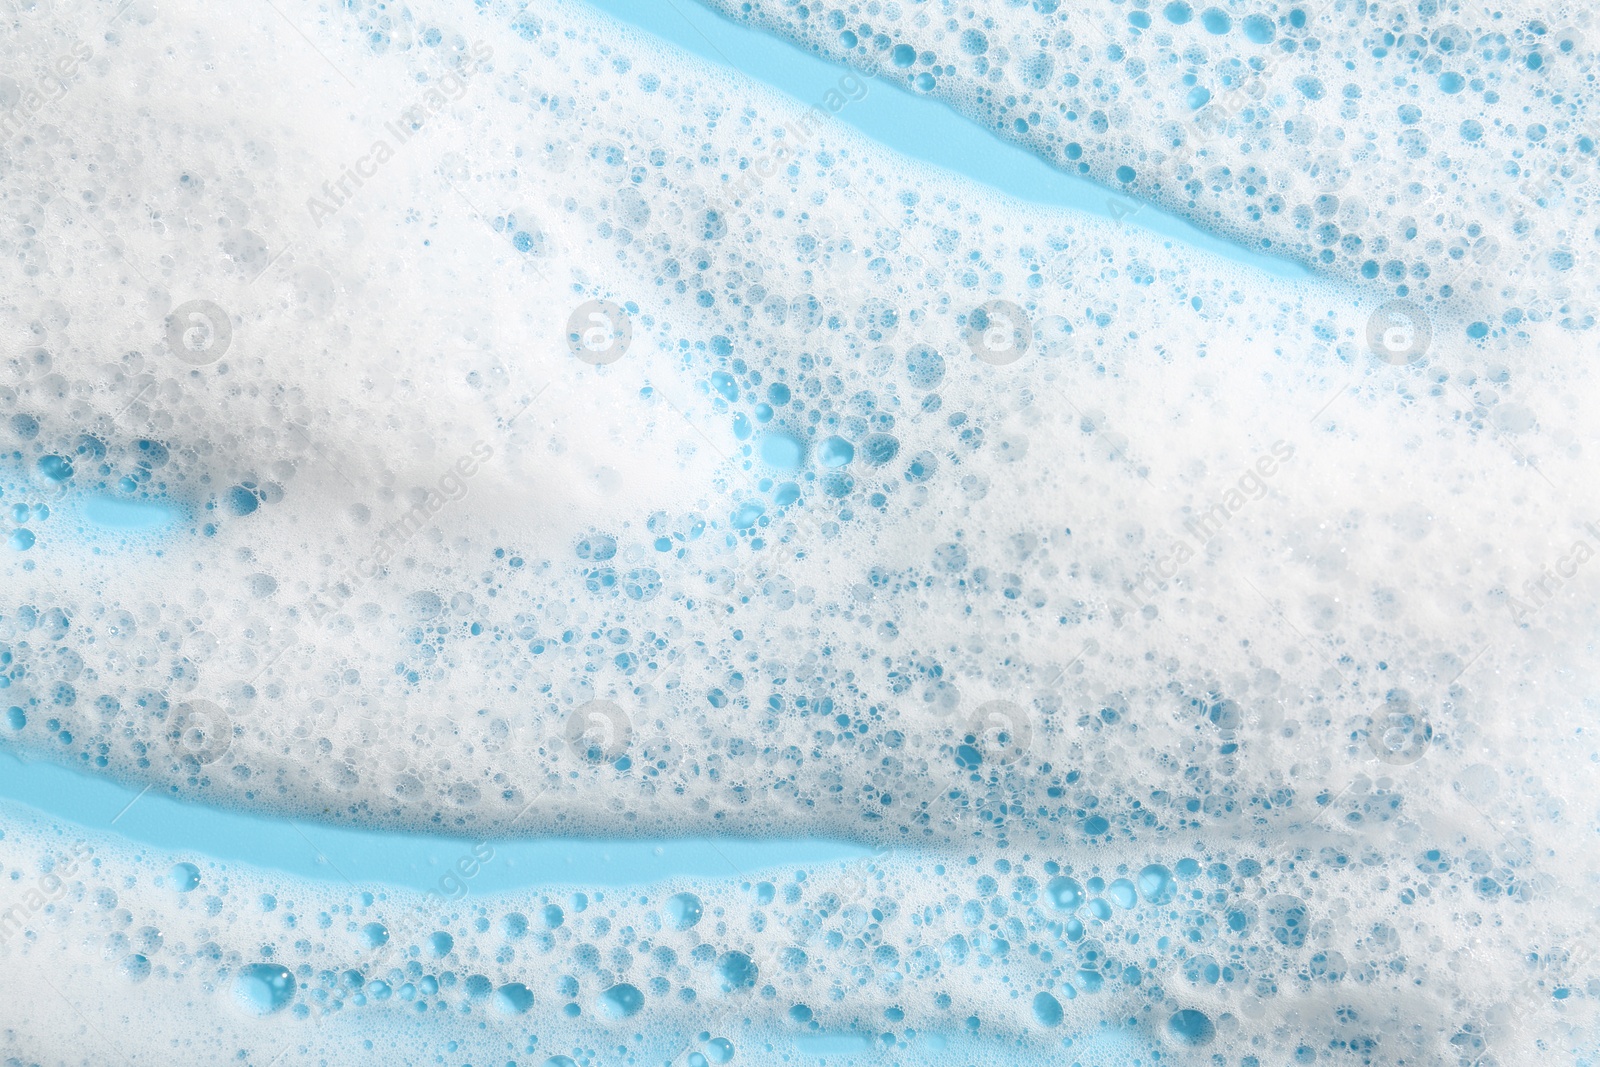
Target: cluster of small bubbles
[
  {"x": 1242, "y": 116},
  {"x": 635, "y": 486},
  {"x": 1203, "y": 949}
]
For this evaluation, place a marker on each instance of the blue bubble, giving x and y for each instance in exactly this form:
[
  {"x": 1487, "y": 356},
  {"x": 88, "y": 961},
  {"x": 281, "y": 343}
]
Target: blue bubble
[
  {"x": 737, "y": 971},
  {"x": 1065, "y": 892},
  {"x": 835, "y": 452},
  {"x": 925, "y": 367},
  {"x": 513, "y": 998},
  {"x": 621, "y": 1001},
  {"x": 243, "y": 499},
  {"x": 55, "y": 468},
  {"x": 1155, "y": 884},
  {"x": 185, "y": 877},
  {"x": 783, "y": 451},
  {"x": 263, "y": 988},
  {"x": 879, "y": 448},
  {"x": 1190, "y": 1027},
  {"x": 136, "y": 968},
  {"x": 1258, "y": 29},
  {"x": 748, "y": 515},
  {"x": 684, "y": 909}
]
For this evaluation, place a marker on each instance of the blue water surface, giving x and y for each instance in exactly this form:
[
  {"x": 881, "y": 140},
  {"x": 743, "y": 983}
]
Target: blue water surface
[{"x": 367, "y": 857}]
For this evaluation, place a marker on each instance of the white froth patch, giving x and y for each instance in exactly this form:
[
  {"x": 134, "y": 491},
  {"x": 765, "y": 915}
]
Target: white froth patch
[{"x": 1199, "y": 573}]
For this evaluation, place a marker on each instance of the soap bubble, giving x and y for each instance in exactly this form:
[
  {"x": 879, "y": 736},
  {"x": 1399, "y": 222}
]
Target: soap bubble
[
  {"x": 513, "y": 998},
  {"x": 621, "y": 1001},
  {"x": 264, "y": 988},
  {"x": 737, "y": 971},
  {"x": 135, "y": 967},
  {"x": 684, "y": 910},
  {"x": 1190, "y": 1027},
  {"x": 185, "y": 877},
  {"x": 1047, "y": 1009}
]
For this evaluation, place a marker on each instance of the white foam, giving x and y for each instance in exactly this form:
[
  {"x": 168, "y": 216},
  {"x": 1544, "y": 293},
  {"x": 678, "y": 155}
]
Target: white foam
[
  {"x": 1441, "y": 151},
  {"x": 1199, "y": 572}
]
